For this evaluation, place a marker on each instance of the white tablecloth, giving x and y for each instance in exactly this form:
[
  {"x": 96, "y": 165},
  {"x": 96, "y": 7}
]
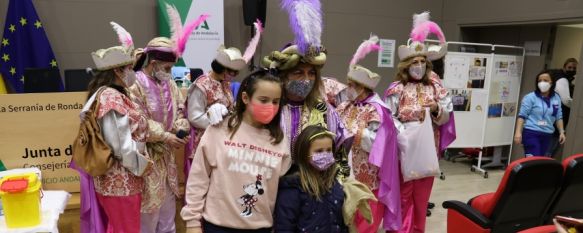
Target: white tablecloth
[{"x": 53, "y": 204}]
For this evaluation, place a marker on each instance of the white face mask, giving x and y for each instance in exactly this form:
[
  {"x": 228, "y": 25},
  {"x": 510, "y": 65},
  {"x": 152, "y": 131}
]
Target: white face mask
[
  {"x": 228, "y": 77},
  {"x": 351, "y": 93},
  {"x": 162, "y": 75},
  {"x": 129, "y": 77},
  {"x": 544, "y": 86},
  {"x": 417, "y": 71}
]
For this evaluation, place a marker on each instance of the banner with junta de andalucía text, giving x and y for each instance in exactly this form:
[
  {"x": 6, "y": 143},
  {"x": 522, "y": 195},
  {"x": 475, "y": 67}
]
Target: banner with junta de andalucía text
[
  {"x": 38, "y": 130},
  {"x": 204, "y": 41}
]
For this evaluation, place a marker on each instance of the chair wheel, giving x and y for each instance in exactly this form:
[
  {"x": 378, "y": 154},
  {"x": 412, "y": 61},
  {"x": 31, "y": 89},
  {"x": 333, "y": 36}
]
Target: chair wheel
[
  {"x": 472, "y": 169},
  {"x": 485, "y": 175},
  {"x": 430, "y": 205},
  {"x": 442, "y": 177},
  {"x": 428, "y": 213}
]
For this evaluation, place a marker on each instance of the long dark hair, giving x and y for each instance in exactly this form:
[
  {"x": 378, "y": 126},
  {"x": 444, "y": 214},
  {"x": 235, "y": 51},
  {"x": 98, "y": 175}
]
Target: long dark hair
[
  {"x": 552, "y": 89},
  {"x": 314, "y": 182},
  {"x": 103, "y": 78},
  {"x": 249, "y": 85}
]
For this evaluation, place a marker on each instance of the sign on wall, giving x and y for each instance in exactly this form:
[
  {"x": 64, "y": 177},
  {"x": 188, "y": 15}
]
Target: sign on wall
[
  {"x": 387, "y": 53},
  {"x": 37, "y": 130},
  {"x": 202, "y": 45}
]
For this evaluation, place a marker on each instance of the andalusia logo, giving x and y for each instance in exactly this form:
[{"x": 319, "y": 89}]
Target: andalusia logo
[{"x": 204, "y": 25}]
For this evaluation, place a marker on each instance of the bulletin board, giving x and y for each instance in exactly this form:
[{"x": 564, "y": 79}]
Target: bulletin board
[
  {"x": 466, "y": 76},
  {"x": 485, "y": 89},
  {"x": 503, "y": 100}
]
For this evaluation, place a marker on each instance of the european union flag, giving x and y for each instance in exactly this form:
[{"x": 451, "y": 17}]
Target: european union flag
[{"x": 24, "y": 44}]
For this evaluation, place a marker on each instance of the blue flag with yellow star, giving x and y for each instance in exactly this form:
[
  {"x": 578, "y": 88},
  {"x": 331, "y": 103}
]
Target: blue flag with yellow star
[{"x": 24, "y": 44}]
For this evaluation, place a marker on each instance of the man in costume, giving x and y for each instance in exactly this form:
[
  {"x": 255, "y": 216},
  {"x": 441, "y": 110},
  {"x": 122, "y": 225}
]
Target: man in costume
[
  {"x": 210, "y": 97},
  {"x": 161, "y": 100}
]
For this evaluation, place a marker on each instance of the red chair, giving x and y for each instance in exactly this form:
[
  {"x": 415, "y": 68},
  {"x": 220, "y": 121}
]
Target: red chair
[
  {"x": 520, "y": 202},
  {"x": 569, "y": 201}
]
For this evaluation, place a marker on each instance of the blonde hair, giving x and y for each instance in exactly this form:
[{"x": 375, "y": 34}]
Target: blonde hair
[
  {"x": 314, "y": 182},
  {"x": 403, "y": 71}
]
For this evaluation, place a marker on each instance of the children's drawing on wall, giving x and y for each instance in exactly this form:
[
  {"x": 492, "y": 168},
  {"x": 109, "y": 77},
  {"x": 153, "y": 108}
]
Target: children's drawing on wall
[{"x": 509, "y": 109}]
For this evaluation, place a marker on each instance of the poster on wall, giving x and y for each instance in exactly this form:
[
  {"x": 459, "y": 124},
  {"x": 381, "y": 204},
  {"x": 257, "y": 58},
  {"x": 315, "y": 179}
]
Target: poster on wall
[
  {"x": 204, "y": 41},
  {"x": 38, "y": 131},
  {"x": 515, "y": 69},
  {"x": 500, "y": 91},
  {"x": 387, "y": 53},
  {"x": 461, "y": 99},
  {"x": 456, "y": 75},
  {"x": 501, "y": 68},
  {"x": 477, "y": 72},
  {"x": 495, "y": 110}
]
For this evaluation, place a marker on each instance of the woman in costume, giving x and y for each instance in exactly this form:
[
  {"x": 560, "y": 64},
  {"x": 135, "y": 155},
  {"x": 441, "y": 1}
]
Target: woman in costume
[
  {"x": 374, "y": 160},
  {"x": 124, "y": 128},
  {"x": 299, "y": 67},
  {"x": 417, "y": 90}
]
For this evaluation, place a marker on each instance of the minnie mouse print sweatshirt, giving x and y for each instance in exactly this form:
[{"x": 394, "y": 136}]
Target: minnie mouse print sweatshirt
[{"x": 233, "y": 182}]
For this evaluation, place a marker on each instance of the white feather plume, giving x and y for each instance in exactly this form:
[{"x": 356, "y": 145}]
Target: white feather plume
[
  {"x": 420, "y": 18},
  {"x": 125, "y": 38}
]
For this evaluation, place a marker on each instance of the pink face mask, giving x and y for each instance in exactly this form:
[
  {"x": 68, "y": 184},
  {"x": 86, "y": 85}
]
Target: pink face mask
[{"x": 263, "y": 113}]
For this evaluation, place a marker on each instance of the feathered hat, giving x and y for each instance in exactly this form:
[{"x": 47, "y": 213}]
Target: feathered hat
[
  {"x": 116, "y": 56},
  {"x": 422, "y": 26},
  {"x": 232, "y": 57},
  {"x": 170, "y": 49},
  {"x": 360, "y": 74},
  {"x": 305, "y": 17}
]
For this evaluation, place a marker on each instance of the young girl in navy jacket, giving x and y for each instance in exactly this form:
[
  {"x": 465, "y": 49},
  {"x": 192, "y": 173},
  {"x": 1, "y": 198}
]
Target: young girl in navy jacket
[{"x": 311, "y": 199}]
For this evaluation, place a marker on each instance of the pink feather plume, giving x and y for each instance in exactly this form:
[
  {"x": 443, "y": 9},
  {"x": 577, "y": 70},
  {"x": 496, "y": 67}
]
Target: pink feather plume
[
  {"x": 250, "y": 50},
  {"x": 422, "y": 26},
  {"x": 125, "y": 38},
  {"x": 175, "y": 22},
  {"x": 186, "y": 31},
  {"x": 365, "y": 48}
]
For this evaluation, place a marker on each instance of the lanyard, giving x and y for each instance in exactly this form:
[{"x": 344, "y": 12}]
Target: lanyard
[{"x": 543, "y": 106}]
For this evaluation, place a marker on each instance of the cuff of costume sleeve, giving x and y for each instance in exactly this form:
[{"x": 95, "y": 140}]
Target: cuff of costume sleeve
[{"x": 193, "y": 223}]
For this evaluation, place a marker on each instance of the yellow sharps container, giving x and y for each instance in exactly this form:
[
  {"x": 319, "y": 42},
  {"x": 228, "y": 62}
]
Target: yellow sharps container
[{"x": 21, "y": 200}]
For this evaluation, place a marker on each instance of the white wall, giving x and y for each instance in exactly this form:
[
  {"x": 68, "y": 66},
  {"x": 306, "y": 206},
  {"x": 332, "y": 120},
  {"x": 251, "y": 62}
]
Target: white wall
[{"x": 568, "y": 43}]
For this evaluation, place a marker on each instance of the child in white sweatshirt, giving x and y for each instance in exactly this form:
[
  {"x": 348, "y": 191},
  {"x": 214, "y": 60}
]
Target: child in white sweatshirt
[{"x": 233, "y": 182}]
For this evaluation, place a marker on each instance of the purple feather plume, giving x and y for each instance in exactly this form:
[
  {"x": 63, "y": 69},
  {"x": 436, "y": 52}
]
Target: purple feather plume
[{"x": 305, "y": 18}]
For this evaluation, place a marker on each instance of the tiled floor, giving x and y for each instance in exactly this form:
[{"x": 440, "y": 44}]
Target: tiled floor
[{"x": 459, "y": 184}]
